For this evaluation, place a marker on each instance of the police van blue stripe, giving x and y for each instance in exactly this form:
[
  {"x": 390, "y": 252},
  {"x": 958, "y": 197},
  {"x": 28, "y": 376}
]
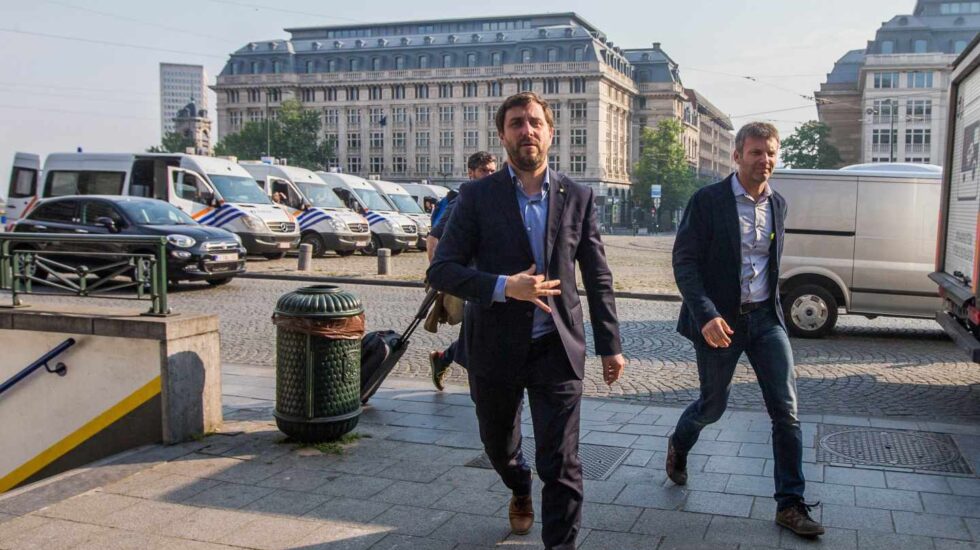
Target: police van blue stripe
[
  {"x": 226, "y": 215},
  {"x": 229, "y": 219},
  {"x": 313, "y": 220}
]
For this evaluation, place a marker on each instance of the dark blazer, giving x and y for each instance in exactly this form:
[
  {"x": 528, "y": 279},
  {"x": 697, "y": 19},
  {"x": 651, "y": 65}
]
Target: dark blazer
[
  {"x": 486, "y": 238},
  {"x": 707, "y": 258}
]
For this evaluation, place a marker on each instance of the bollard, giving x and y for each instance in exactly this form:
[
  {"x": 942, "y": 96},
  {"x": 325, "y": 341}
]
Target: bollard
[
  {"x": 305, "y": 257},
  {"x": 384, "y": 261}
]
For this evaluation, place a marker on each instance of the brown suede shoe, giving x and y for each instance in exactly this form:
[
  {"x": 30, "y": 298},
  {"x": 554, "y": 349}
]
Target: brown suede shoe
[
  {"x": 676, "y": 464},
  {"x": 797, "y": 519},
  {"x": 521, "y": 515}
]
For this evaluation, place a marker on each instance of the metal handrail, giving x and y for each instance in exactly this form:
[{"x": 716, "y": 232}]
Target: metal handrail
[
  {"x": 18, "y": 267},
  {"x": 60, "y": 369}
]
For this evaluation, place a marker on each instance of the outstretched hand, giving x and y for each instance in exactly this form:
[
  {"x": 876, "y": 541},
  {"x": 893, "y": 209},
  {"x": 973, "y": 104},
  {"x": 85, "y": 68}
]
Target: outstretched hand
[{"x": 529, "y": 287}]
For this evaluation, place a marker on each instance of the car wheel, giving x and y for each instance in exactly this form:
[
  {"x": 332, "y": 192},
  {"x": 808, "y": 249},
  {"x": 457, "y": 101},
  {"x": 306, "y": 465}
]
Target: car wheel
[
  {"x": 345, "y": 253},
  {"x": 810, "y": 311},
  {"x": 372, "y": 248},
  {"x": 220, "y": 282},
  {"x": 396, "y": 251},
  {"x": 274, "y": 255},
  {"x": 316, "y": 241}
]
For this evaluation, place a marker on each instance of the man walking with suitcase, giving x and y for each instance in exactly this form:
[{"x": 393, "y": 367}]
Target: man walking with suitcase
[{"x": 510, "y": 250}]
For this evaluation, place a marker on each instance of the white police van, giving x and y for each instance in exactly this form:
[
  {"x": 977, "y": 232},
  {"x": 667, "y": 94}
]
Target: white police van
[
  {"x": 403, "y": 201},
  {"x": 213, "y": 191},
  {"x": 389, "y": 228},
  {"x": 325, "y": 222}
]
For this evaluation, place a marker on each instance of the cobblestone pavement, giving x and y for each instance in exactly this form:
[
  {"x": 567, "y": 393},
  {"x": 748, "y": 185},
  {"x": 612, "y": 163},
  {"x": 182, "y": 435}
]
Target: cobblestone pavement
[
  {"x": 883, "y": 367},
  {"x": 639, "y": 264}
]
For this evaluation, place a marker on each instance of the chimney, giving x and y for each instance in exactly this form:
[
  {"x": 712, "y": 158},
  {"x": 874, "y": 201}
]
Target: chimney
[{"x": 656, "y": 46}]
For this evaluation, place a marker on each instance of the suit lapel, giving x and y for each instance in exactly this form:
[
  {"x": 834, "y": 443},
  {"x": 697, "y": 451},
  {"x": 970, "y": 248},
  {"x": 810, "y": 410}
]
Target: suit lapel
[
  {"x": 507, "y": 195},
  {"x": 556, "y": 204},
  {"x": 730, "y": 217}
]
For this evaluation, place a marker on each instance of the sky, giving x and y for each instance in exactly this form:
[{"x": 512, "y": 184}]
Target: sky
[{"x": 85, "y": 73}]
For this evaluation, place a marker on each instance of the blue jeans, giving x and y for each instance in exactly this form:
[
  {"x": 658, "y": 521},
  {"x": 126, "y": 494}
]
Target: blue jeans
[{"x": 764, "y": 341}]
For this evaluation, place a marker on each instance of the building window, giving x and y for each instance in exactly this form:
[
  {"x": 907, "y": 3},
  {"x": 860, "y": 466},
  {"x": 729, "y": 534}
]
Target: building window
[
  {"x": 398, "y": 165},
  {"x": 332, "y": 66},
  {"x": 330, "y": 117},
  {"x": 447, "y": 61},
  {"x": 377, "y": 140},
  {"x": 445, "y": 90},
  {"x": 886, "y": 80},
  {"x": 920, "y": 46},
  {"x": 496, "y": 59},
  {"x": 330, "y": 94},
  {"x": 470, "y": 89},
  {"x": 274, "y": 94},
  {"x": 577, "y": 86},
  {"x": 232, "y": 96},
  {"x": 422, "y": 164},
  {"x": 577, "y": 110},
  {"x": 555, "y": 139},
  {"x": 353, "y": 93},
  {"x": 959, "y": 46},
  {"x": 354, "y": 65},
  {"x": 578, "y": 54},
  {"x": 377, "y": 165},
  {"x": 918, "y": 110},
  {"x": 422, "y": 91},
  {"x": 354, "y": 165},
  {"x": 398, "y": 92},
  {"x": 422, "y": 115},
  {"x": 918, "y": 140},
  {"x": 471, "y": 60},
  {"x": 471, "y": 113},
  {"x": 493, "y": 139},
  {"x": 919, "y": 79},
  {"x": 887, "y": 46},
  {"x": 254, "y": 67},
  {"x": 310, "y": 66},
  {"x": 399, "y": 62},
  {"x": 331, "y": 139},
  {"x": 353, "y": 141},
  {"x": 235, "y": 118},
  {"x": 309, "y": 95},
  {"x": 471, "y": 139},
  {"x": 553, "y": 161},
  {"x": 551, "y": 85},
  {"x": 446, "y": 139},
  {"x": 882, "y": 140},
  {"x": 884, "y": 110},
  {"x": 399, "y": 115},
  {"x": 398, "y": 141},
  {"x": 376, "y": 64},
  {"x": 376, "y": 114},
  {"x": 552, "y": 55},
  {"x": 424, "y": 62},
  {"x": 422, "y": 140},
  {"x": 446, "y": 114},
  {"x": 446, "y": 164},
  {"x": 525, "y": 85},
  {"x": 578, "y": 164},
  {"x": 353, "y": 118},
  {"x": 526, "y": 56},
  {"x": 374, "y": 93},
  {"x": 555, "y": 111},
  {"x": 578, "y": 136},
  {"x": 493, "y": 89}
]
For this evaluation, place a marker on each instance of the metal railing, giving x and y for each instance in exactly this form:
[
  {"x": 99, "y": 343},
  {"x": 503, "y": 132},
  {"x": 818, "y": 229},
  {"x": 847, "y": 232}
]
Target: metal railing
[
  {"x": 60, "y": 368},
  {"x": 29, "y": 265}
]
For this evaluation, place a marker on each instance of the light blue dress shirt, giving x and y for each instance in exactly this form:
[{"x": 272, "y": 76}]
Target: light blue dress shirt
[
  {"x": 534, "y": 212},
  {"x": 756, "y": 231}
]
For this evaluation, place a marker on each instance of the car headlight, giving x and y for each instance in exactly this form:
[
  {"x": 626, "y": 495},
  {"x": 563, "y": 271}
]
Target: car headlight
[
  {"x": 181, "y": 254},
  {"x": 388, "y": 226},
  {"x": 254, "y": 223},
  {"x": 181, "y": 241},
  {"x": 339, "y": 225}
]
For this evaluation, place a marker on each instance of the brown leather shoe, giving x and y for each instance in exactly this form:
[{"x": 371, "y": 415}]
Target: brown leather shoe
[
  {"x": 797, "y": 519},
  {"x": 676, "y": 464},
  {"x": 521, "y": 515}
]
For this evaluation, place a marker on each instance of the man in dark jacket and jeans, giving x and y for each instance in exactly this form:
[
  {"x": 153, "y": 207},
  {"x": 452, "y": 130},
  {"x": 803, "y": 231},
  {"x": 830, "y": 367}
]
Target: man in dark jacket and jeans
[{"x": 480, "y": 165}]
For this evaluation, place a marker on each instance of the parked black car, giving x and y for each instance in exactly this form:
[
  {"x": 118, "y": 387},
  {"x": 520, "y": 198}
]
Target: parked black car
[{"x": 196, "y": 252}]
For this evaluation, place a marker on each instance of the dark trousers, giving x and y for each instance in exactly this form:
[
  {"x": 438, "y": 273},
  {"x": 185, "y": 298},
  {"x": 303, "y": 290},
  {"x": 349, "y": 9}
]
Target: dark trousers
[
  {"x": 764, "y": 341},
  {"x": 554, "y": 395},
  {"x": 450, "y": 354}
]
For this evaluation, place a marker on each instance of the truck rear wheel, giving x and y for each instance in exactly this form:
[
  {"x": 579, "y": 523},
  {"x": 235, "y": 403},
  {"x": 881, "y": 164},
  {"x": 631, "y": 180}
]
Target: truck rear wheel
[{"x": 810, "y": 311}]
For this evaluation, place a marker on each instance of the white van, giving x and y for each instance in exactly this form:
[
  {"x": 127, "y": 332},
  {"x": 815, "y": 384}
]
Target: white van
[
  {"x": 403, "y": 201},
  {"x": 325, "y": 223},
  {"x": 389, "y": 229},
  {"x": 861, "y": 239},
  {"x": 422, "y": 191},
  {"x": 23, "y": 192},
  {"x": 213, "y": 191}
]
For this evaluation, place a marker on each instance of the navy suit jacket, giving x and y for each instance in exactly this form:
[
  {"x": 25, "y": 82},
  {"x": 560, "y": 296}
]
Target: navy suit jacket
[
  {"x": 707, "y": 258},
  {"x": 486, "y": 238}
]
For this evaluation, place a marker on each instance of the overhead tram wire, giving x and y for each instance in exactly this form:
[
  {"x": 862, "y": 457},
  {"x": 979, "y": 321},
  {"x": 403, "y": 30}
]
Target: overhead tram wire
[
  {"x": 107, "y": 43},
  {"x": 282, "y": 10}
]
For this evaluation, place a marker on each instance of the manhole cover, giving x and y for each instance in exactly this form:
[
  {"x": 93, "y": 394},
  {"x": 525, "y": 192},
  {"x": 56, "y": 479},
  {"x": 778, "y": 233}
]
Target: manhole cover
[
  {"x": 893, "y": 448},
  {"x": 598, "y": 461}
]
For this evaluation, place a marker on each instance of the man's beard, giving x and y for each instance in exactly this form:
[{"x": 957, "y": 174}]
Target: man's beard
[{"x": 526, "y": 161}]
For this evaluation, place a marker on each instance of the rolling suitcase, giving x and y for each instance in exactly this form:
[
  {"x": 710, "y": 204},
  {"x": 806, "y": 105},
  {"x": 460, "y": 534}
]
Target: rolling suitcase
[{"x": 381, "y": 350}]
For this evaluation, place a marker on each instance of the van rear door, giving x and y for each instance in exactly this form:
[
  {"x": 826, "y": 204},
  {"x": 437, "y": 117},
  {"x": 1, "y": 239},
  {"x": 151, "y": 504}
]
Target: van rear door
[{"x": 22, "y": 192}]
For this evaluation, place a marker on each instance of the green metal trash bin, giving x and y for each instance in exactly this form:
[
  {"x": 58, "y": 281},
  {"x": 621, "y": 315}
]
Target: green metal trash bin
[{"x": 318, "y": 362}]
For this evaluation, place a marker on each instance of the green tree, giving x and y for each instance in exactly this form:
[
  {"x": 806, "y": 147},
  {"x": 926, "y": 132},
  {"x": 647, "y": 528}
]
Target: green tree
[
  {"x": 172, "y": 143},
  {"x": 663, "y": 162},
  {"x": 293, "y": 135},
  {"x": 808, "y": 147}
]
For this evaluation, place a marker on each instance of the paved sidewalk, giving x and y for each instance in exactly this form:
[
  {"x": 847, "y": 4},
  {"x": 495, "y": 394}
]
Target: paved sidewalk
[{"x": 405, "y": 484}]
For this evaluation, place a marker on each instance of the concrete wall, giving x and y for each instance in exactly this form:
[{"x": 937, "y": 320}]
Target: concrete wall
[{"x": 130, "y": 380}]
